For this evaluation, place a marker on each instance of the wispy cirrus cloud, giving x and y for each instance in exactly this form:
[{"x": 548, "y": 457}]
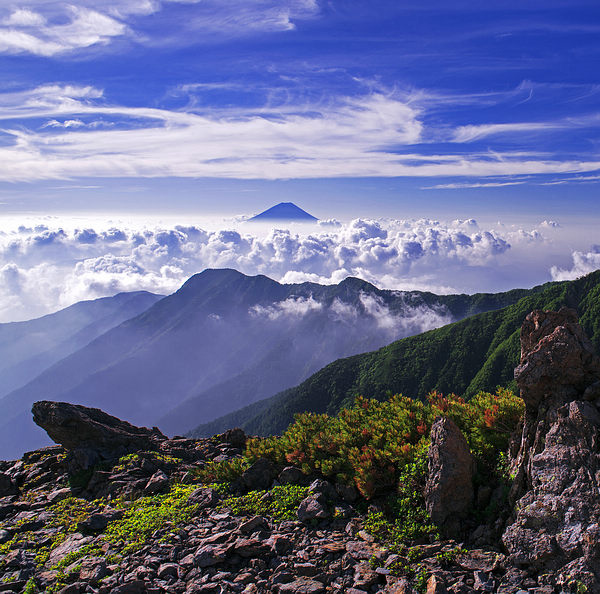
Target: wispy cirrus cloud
[
  {"x": 462, "y": 186},
  {"x": 371, "y": 135},
  {"x": 471, "y": 133},
  {"x": 54, "y": 27}
]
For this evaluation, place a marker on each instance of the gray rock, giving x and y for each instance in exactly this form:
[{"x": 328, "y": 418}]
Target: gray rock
[
  {"x": 312, "y": 508},
  {"x": 59, "y": 494},
  {"x": 168, "y": 570},
  {"x": 7, "y": 486},
  {"x": 322, "y": 487},
  {"x": 482, "y": 582},
  {"x": 158, "y": 483},
  {"x": 449, "y": 488},
  {"x": 302, "y": 586},
  {"x": 208, "y": 555},
  {"x": 73, "y": 543},
  {"x": 253, "y": 524},
  {"x": 251, "y": 547},
  {"x": 92, "y": 570},
  {"x": 259, "y": 476},
  {"x": 235, "y": 437},
  {"x": 291, "y": 475},
  {"x": 558, "y": 464},
  {"x": 134, "y": 587},
  {"x": 99, "y": 521},
  {"x": 92, "y": 430},
  {"x": 74, "y": 588},
  {"x": 204, "y": 498}
]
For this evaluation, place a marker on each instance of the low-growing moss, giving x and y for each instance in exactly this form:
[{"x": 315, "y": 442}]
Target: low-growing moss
[
  {"x": 279, "y": 503},
  {"x": 144, "y": 516},
  {"x": 70, "y": 511},
  {"x": 221, "y": 488},
  {"x": 132, "y": 460},
  {"x": 90, "y": 550}
]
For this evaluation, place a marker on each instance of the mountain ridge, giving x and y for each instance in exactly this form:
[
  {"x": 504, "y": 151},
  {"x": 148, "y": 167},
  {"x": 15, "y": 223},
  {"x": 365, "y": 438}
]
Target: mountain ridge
[
  {"x": 476, "y": 353},
  {"x": 220, "y": 328}
]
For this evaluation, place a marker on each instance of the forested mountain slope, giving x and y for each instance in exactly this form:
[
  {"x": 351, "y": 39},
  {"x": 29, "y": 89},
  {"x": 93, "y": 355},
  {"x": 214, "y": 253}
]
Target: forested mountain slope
[{"x": 477, "y": 353}]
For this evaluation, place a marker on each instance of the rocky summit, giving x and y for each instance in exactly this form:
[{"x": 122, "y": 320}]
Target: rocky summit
[{"x": 115, "y": 508}]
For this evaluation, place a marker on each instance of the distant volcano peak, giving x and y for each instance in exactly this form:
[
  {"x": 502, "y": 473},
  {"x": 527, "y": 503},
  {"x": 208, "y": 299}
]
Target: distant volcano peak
[{"x": 284, "y": 211}]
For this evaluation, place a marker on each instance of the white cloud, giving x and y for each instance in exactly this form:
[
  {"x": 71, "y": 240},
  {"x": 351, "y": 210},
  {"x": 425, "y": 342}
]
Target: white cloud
[
  {"x": 464, "y": 185},
  {"x": 293, "y": 307},
  {"x": 550, "y": 224},
  {"x": 46, "y": 267},
  {"x": 477, "y": 132},
  {"x": 343, "y": 312},
  {"x": 29, "y": 32},
  {"x": 23, "y": 17},
  {"x": 65, "y": 124},
  {"x": 583, "y": 263},
  {"x": 348, "y": 136},
  {"x": 86, "y": 23}
]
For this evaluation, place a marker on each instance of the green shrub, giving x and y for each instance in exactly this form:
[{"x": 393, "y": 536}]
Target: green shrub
[
  {"x": 369, "y": 443},
  {"x": 222, "y": 472}
]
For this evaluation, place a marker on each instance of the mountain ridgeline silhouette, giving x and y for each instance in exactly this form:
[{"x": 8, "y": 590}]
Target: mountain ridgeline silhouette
[
  {"x": 477, "y": 353},
  {"x": 223, "y": 341}
]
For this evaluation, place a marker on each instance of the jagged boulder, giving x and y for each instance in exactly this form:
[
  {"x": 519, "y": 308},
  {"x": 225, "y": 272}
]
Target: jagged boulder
[
  {"x": 91, "y": 433},
  {"x": 449, "y": 488},
  {"x": 557, "y": 359},
  {"x": 557, "y": 467}
]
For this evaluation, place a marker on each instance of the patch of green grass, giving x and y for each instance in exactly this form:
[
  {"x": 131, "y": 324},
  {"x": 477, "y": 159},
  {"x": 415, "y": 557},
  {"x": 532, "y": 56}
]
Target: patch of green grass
[
  {"x": 146, "y": 515},
  {"x": 279, "y": 503}
]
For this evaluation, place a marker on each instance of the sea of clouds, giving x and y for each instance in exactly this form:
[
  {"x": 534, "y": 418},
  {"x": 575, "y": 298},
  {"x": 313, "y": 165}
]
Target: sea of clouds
[{"x": 49, "y": 265}]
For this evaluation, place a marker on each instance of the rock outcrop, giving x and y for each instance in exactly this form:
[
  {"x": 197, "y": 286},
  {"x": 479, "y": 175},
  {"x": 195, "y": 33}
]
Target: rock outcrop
[
  {"x": 77, "y": 427},
  {"x": 449, "y": 489},
  {"x": 556, "y": 525}
]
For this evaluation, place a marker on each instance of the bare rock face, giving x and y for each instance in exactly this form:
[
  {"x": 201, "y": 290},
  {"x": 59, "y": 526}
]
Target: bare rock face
[
  {"x": 557, "y": 468},
  {"x": 557, "y": 359},
  {"x": 91, "y": 433},
  {"x": 449, "y": 489}
]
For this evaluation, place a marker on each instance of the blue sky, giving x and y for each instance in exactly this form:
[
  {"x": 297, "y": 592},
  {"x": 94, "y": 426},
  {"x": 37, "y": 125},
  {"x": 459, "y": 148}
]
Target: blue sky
[
  {"x": 453, "y": 144},
  {"x": 386, "y": 108}
]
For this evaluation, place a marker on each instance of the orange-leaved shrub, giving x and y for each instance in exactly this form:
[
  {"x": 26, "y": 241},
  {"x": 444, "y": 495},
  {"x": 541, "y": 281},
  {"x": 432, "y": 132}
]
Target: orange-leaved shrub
[{"x": 369, "y": 443}]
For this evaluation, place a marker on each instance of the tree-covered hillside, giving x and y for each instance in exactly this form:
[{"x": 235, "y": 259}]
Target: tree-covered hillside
[{"x": 477, "y": 353}]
